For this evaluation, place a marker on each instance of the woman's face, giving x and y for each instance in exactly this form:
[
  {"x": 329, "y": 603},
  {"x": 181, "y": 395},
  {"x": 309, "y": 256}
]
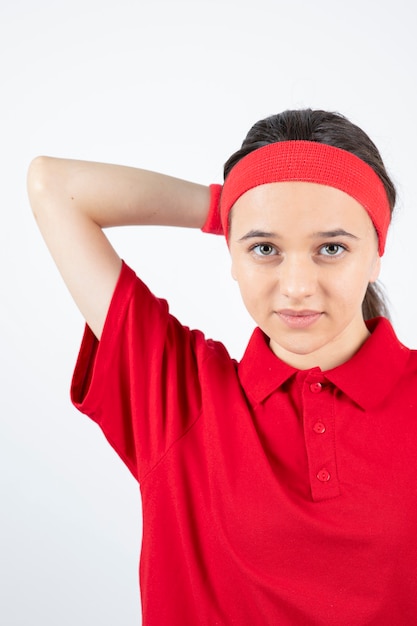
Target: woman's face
[{"x": 303, "y": 255}]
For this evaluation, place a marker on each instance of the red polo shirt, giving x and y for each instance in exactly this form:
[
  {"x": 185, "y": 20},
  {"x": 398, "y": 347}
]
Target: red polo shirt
[{"x": 271, "y": 496}]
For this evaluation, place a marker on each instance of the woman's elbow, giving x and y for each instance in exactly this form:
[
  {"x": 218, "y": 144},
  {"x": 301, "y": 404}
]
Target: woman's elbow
[{"x": 39, "y": 181}]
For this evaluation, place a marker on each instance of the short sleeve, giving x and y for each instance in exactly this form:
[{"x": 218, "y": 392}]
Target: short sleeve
[{"x": 140, "y": 382}]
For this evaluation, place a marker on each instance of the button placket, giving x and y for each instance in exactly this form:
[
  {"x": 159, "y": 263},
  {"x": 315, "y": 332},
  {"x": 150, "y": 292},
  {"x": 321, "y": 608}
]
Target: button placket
[{"x": 319, "y": 427}]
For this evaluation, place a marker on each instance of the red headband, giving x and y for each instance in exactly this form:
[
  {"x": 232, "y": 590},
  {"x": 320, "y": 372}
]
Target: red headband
[{"x": 309, "y": 161}]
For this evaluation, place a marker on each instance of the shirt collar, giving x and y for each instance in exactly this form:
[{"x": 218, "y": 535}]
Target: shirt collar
[
  {"x": 373, "y": 372},
  {"x": 368, "y": 377},
  {"x": 261, "y": 372}
]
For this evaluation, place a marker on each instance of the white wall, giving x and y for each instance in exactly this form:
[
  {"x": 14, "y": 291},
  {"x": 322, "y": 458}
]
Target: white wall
[{"x": 172, "y": 86}]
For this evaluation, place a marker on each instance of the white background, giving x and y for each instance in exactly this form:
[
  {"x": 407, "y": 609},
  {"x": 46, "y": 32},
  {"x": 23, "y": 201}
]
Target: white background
[{"x": 171, "y": 86}]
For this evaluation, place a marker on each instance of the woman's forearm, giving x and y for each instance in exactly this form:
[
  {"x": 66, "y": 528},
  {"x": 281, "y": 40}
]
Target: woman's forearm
[{"x": 116, "y": 195}]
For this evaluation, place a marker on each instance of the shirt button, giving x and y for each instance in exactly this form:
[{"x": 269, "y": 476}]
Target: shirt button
[
  {"x": 323, "y": 475},
  {"x": 319, "y": 428},
  {"x": 316, "y": 387}
]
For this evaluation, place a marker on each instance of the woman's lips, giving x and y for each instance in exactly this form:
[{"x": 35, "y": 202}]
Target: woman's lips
[{"x": 298, "y": 319}]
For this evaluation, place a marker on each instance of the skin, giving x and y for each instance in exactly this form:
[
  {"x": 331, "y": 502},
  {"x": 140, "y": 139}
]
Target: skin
[{"x": 303, "y": 255}]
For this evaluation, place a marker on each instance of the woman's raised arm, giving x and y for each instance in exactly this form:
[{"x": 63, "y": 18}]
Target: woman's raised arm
[{"x": 74, "y": 200}]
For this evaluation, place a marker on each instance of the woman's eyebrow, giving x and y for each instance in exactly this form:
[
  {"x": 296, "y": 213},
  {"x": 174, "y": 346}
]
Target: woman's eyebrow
[
  {"x": 339, "y": 232},
  {"x": 257, "y": 233}
]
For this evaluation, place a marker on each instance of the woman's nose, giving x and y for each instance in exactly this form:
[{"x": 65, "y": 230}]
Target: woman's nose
[{"x": 297, "y": 278}]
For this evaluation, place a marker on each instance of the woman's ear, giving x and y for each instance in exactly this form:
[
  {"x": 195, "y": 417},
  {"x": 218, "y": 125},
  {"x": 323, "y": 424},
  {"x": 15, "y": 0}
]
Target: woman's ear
[{"x": 375, "y": 270}]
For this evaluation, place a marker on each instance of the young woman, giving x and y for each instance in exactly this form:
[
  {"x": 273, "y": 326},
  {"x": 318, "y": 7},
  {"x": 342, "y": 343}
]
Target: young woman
[{"x": 281, "y": 489}]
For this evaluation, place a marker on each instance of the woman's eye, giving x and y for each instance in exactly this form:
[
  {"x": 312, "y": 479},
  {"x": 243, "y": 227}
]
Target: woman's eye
[
  {"x": 332, "y": 249},
  {"x": 264, "y": 249}
]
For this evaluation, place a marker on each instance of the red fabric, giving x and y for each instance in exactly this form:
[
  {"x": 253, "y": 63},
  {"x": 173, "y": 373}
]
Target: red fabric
[
  {"x": 313, "y": 162},
  {"x": 271, "y": 496},
  {"x": 213, "y": 224}
]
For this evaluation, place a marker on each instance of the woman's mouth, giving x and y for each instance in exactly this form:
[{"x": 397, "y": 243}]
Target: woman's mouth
[{"x": 298, "y": 319}]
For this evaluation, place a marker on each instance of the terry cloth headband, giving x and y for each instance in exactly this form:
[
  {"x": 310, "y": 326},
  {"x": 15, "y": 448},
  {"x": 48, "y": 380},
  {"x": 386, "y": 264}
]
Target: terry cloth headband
[{"x": 307, "y": 161}]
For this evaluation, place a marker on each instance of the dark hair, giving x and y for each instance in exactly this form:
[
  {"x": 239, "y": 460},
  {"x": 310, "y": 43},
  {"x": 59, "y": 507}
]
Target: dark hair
[{"x": 335, "y": 130}]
